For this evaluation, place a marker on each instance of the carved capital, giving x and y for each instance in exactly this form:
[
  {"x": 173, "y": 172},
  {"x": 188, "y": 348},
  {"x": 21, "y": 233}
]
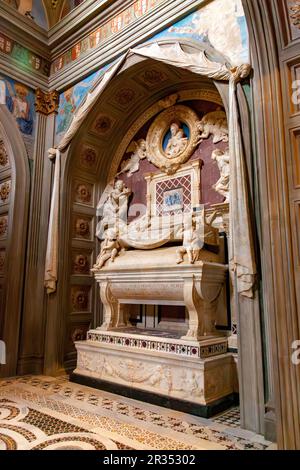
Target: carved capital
[{"x": 46, "y": 103}]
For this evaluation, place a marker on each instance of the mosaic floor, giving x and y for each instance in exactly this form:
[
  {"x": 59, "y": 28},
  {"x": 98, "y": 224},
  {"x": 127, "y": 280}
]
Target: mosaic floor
[{"x": 52, "y": 413}]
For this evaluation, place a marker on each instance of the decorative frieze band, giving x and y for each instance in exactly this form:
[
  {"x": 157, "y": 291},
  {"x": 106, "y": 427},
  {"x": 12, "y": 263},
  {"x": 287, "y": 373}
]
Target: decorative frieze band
[
  {"x": 23, "y": 56},
  {"x": 179, "y": 349}
]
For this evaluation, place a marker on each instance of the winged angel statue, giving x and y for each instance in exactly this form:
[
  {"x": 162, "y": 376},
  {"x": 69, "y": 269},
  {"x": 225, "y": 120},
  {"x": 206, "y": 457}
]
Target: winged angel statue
[{"x": 139, "y": 153}]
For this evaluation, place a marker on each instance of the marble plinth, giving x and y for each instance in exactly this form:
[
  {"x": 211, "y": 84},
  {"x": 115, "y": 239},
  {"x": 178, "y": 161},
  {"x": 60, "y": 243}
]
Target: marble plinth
[{"x": 198, "y": 372}]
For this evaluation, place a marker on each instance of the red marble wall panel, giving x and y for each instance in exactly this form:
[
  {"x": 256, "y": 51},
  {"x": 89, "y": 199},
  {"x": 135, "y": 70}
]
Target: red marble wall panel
[{"x": 209, "y": 173}]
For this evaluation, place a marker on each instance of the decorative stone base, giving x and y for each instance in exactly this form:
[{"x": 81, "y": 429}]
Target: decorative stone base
[
  {"x": 184, "y": 406},
  {"x": 182, "y": 375}
]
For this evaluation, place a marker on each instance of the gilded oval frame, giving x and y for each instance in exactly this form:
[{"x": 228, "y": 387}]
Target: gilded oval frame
[{"x": 158, "y": 130}]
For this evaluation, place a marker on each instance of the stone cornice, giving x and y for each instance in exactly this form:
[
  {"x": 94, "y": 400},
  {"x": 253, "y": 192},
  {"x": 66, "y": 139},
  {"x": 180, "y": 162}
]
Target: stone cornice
[
  {"x": 24, "y": 30},
  {"x": 157, "y": 20},
  {"x": 82, "y": 21},
  {"x": 74, "y": 33},
  {"x": 11, "y": 68}
]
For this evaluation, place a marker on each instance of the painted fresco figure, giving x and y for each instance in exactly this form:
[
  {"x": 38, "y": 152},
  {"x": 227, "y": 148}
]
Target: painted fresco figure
[
  {"x": 66, "y": 111},
  {"x": 19, "y": 105}
]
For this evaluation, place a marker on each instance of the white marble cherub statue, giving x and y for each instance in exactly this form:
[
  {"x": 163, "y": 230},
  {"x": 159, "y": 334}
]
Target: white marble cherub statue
[
  {"x": 132, "y": 165},
  {"x": 192, "y": 243},
  {"x": 177, "y": 142},
  {"x": 223, "y": 161},
  {"x": 110, "y": 248},
  {"x": 215, "y": 124}
]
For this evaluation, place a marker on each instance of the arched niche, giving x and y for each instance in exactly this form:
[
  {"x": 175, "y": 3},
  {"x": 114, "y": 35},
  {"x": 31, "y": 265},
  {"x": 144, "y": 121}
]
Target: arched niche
[
  {"x": 15, "y": 177},
  {"x": 151, "y": 82},
  {"x": 92, "y": 158}
]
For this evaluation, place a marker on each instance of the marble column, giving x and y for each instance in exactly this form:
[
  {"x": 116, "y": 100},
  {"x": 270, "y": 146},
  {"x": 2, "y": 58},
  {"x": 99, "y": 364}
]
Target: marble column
[{"x": 32, "y": 341}]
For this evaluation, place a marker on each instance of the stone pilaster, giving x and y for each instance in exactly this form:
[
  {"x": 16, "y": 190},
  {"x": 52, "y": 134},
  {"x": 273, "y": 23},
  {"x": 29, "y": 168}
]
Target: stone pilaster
[{"x": 31, "y": 358}]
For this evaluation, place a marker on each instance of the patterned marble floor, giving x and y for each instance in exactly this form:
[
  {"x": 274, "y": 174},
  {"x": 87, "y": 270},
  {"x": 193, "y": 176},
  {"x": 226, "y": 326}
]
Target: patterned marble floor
[{"x": 51, "y": 413}]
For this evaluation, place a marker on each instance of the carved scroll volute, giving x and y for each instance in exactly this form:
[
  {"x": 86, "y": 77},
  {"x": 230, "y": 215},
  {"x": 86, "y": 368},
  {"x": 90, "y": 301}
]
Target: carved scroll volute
[
  {"x": 110, "y": 306},
  {"x": 193, "y": 304},
  {"x": 216, "y": 274}
]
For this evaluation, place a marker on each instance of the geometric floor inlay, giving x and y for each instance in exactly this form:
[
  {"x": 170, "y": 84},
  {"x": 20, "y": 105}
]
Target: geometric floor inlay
[{"x": 46, "y": 413}]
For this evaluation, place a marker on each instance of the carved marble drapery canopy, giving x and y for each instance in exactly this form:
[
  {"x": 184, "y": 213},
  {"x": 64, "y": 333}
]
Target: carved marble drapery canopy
[{"x": 242, "y": 260}]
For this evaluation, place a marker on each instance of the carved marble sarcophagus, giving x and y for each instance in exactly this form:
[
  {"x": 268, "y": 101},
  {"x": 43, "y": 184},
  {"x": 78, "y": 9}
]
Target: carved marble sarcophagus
[
  {"x": 168, "y": 255},
  {"x": 145, "y": 277}
]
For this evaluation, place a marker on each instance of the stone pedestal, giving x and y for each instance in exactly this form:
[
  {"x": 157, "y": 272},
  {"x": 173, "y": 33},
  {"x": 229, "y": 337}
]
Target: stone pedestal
[{"x": 190, "y": 372}]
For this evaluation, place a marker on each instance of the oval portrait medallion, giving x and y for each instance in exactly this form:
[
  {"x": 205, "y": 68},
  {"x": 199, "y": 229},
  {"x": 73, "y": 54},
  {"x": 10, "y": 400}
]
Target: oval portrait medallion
[{"x": 172, "y": 138}]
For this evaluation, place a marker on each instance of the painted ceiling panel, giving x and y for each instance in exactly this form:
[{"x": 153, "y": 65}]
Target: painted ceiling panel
[{"x": 45, "y": 13}]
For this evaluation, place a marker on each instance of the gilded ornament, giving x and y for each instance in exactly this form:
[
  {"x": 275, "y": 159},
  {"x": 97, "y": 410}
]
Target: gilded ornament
[
  {"x": 4, "y": 191},
  {"x": 3, "y": 154},
  {"x": 3, "y": 226},
  {"x": 171, "y": 154},
  {"x": 46, "y": 103}
]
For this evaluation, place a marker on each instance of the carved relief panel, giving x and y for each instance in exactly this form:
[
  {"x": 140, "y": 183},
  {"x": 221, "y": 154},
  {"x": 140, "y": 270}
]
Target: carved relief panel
[
  {"x": 80, "y": 300},
  {"x": 81, "y": 262},
  {"x": 3, "y": 226},
  {"x": 4, "y": 163},
  {"x": 82, "y": 227},
  {"x": 83, "y": 193},
  {"x": 5, "y": 189},
  {"x": 293, "y": 10}
]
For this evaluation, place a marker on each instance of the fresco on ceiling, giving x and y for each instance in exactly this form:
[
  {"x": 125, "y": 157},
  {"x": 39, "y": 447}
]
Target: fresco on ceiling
[
  {"x": 69, "y": 5},
  {"x": 33, "y": 9},
  {"x": 20, "y": 101},
  {"x": 70, "y": 99},
  {"x": 221, "y": 24}
]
